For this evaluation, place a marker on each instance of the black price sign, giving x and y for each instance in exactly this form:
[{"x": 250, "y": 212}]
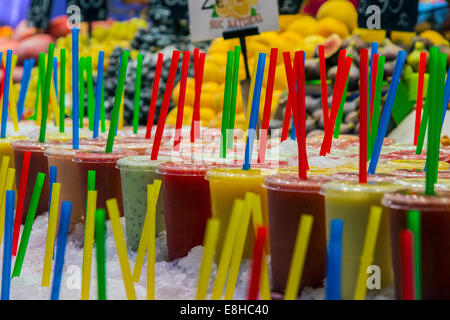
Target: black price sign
[
  {"x": 289, "y": 6},
  {"x": 178, "y": 8},
  {"x": 91, "y": 10},
  {"x": 400, "y": 15},
  {"x": 39, "y": 13}
]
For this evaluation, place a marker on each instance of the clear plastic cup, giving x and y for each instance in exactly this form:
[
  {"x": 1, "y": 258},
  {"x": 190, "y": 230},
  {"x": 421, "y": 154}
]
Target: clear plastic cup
[
  {"x": 352, "y": 202},
  {"x": 187, "y": 205},
  {"x": 435, "y": 239},
  {"x": 288, "y": 199}
]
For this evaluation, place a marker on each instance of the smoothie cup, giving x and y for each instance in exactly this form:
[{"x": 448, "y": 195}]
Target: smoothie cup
[
  {"x": 136, "y": 173},
  {"x": 435, "y": 239},
  {"x": 107, "y": 178},
  {"x": 6, "y": 150},
  {"x": 38, "y": 163},
  {"x": 289, "y": 198},
  {"x": 67, "y": 174},
  {"x": 351, "y": 202},
  {"x": 228, "y": 184},
  {"x": 187, "y": 205}
]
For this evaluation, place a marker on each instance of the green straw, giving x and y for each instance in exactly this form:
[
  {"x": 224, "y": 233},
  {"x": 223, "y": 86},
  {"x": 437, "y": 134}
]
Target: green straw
[
  {"x": 41, "y": 71},
  {"x": 100, "y": 252},
  {"x": 81, "y": 96},
  {"x": 376, "y": 104},
  {"x": 226, "y": 104},
  {"x": 117, "y": 101},
  {"x": 137, "y": 94},
  {"x": 36, "y": 195},
  {"x": 62, "y": 89},
  {"x": 45, "y": 97},
  {"x": 90, "y": 89},
  {"x": 340, "y": 115},
  {"x": 234, "y": 88},
  {"x": 102, "y": 110},
  {"x": 414, "y": 226}
]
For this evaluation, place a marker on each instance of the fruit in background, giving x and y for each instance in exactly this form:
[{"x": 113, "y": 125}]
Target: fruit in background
[
  {"x": 370, "y": 35},
  {"x": 23, "y": 31},
  {"x": 434, "y": 37},
  {"x": 285, "y": 20},
  {"x": 58, "y": 27},
  {"x": 6, "y": 44},
  {"x": 329, "y": 26},
  {"x": 293, "y": 37},
  {"x": 32, "y": 46},
  {"x": 341, "y": 10},
  {"x": 6, "y": 32},
  {"x": 331, "y": 49},
  {"x": 402, "y": 37},
  {"x": 304, "y": 25},
  {"x": 310, "y": 43},
  {"x": 413, "y": 58}
]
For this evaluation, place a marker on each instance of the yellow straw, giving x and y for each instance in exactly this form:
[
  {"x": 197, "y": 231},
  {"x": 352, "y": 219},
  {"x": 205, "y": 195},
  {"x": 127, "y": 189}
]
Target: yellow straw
[
  {"x": 227, "y": 251},
  {"x": 368, "y": 251},
  {"x": 143, "y": 244},
  {"x": 250, "y": 94},
  {"x": 51, "y": 234},
  {"x": 113, "y": 212},
  {"x": 54, "y": 103},
  {"x": 239, "y": 247},
  {"x": 88, "y": 244},
  {"x": 8, "y": 186},
  {"x": 258, "y": 221},
  {"x": 150, "y": 235},
  {"x": 13, "y": 97},
  {"x": 3, "y": 173},
  {"x": 212, "y": 232},
  {"x": 298, "y": 257}
]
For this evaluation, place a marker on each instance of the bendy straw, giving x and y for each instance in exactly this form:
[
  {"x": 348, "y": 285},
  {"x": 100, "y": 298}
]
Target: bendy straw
[
  {"x": 51, "y": 234},
  {"x": 298, "y": 257},
  {"x": 66, "y": 209},
  {"x": 387, "y": 111},
  {"x": 209, "y": 243}
]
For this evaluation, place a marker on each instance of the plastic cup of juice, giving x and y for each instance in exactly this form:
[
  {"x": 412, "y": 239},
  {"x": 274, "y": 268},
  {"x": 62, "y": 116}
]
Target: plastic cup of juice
[
  {"x": 351, "y": 202},
  {"x": 435, "y": 239},
  {"x": 289, "y": 198},
  {"x": 6, "y": 150},
  {"x": 136, "y": 172},
  {"x": 107, "y": 176},
  {"x": 38, "y": 163},
  {"x": 414, "y": 164},
  {"x": 372, "y": 178},
  {"x": 187, "y": 205},
  {"x": 227, "y": 185},
  {"x": 68, "y": 175}
]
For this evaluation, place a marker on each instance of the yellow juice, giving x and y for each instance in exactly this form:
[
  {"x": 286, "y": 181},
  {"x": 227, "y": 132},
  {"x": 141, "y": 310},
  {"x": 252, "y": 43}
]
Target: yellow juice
[
  {"x": 351, "y": 202},
  {"x": 228, "y": 184}
]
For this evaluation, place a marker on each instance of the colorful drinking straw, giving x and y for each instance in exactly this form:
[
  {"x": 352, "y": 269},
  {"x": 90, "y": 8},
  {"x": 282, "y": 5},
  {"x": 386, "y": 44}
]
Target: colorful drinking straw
[
  {"x": 75, "y": 99},
  {"x": 333, "y": 285},
  {"x": 7, "y": 244},
  {"x": 98, "y": 92},
  {"x": 6, "y": 82}
]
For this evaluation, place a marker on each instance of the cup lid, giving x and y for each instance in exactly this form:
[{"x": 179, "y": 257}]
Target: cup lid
[
  {"x": 139, "y": 163},
  {"x": 29, "y": 145},
  {"x": 355, "y": 188},
  {"x": 238, "y": 173},
  {"x": 410, "y": 200},
  {"x": 292, "y": 182},
  {"x": 94, "y": 156},
  {"x": 186, "y": 169}
]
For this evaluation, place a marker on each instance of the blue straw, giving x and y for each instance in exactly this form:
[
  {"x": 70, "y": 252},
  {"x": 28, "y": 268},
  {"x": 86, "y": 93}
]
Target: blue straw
[
  {"x": 293, "y": 134},
  {"x": 255, "y": 111},
  {"x": 386, "y": 115},
  {"x": 55, "y": 74},
  {"x": 6, "y": 93},
  {"x": 446, "y": 97},
  {"x": 98, "y": 92},
  {"x": 75, "y": 101},
  {"x": 7, "y": 244},
  {"x": 27, "y": 67},
  {"x": 66, "y": 208},
  {"x": 373, "y": 51},
  {"x": 333, "y": 283},
  {"x": 52, "y": 178}
]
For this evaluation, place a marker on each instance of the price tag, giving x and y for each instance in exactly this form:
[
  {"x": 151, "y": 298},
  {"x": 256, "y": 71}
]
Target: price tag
[
  {"x": 400, "y": 15},
  {"x": 91, "y": 10},
  {"x": 289, "y": 6},
  {"x": 39, "y": 13},
  {"x": 210, "y": 18}
]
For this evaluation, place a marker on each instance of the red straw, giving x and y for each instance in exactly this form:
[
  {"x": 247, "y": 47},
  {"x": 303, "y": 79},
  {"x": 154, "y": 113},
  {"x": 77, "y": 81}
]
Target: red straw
[
  {"x": 151, "y": 111},
  {"x": 3, "y": 81},
  {"x": 407, "y": 264},
  {"x": 339, "y": 87},
  {"x": 165, "y": 104},
  {"x": 267, "y": 104},
  {"x": 419, "y": 103},
  {"x": 363, "y": 85},
  {"x": 373, "y": 84},
  {"x": 258, "y": 251},
  {"x": 323, "y": 84},
  {"x": 20, "y": 200},
  {"x": 195, "y": 125},
  {"x": 182, "y": 95},
  {"x": 286, "y": 120}
]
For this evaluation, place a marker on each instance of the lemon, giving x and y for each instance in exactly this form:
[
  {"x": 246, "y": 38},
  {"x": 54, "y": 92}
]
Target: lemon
[
  {"x": 341, "y": 10},
  {"x": 304, "y": 25},
  {"x": 327, "y": 26}
]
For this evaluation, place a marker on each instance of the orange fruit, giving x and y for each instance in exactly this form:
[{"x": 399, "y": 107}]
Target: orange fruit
[{"x": 240, "y": 9}]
